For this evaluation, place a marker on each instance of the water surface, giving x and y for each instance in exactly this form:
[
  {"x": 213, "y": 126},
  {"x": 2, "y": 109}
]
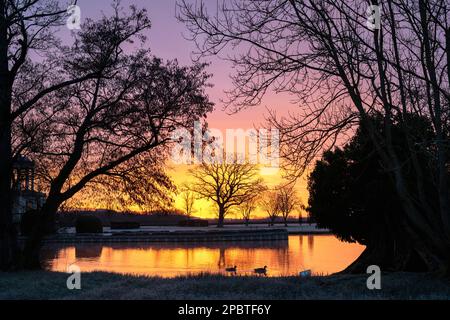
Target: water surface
[{"x": 323, "y": 254}]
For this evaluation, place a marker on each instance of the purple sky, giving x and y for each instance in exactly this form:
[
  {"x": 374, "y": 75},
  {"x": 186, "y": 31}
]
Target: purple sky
[{"x": 166, "y": 41}]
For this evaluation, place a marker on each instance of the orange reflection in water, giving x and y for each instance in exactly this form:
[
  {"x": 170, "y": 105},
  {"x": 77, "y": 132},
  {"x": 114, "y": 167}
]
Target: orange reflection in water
[{"x": 323, "y": 254}]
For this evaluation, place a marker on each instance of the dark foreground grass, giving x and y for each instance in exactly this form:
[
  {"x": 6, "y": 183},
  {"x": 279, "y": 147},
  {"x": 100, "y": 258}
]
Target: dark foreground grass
[{"x": 51, "y": 285}]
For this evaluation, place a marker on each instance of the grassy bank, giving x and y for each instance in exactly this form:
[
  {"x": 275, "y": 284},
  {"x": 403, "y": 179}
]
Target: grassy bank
[{"x": 49, "y": 285}]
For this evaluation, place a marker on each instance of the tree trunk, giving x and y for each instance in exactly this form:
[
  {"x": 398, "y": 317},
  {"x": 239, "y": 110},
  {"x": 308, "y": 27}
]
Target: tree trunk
[
  {"x": 220, "y": 222},
  {"x": 387, "y": 252},
  {"x": 443, "y": 189},
  {"x": 272, "y": 221},
  {"x": 9, "y": 249},
  {"x": 396, "y": 247},
  {"x": 394, "y": 256},
  {"x": 46, "y": 225},
  {"x": 415, "y": 240},
  {"x": 8, "y": 237}
]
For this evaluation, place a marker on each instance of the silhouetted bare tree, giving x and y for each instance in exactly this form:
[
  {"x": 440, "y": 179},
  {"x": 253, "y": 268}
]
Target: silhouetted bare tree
[
  {"x": 188, "y": 198},
  {"x": 247, "y": 208},
  {"x": 271, "y": 204},
  {"x": 227, "y": 184},
  {"x": 288, "y": 201}
]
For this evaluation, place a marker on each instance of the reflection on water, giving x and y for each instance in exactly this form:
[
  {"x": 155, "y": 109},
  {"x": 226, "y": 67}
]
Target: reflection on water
[{"x": 322, "y": 253}]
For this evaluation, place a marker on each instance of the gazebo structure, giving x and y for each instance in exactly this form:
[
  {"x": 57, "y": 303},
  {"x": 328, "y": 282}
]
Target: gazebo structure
[{"x": 26, "y": 198}]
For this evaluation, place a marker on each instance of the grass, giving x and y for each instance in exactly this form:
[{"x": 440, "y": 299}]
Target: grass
[{"x": 98, "y": 285}]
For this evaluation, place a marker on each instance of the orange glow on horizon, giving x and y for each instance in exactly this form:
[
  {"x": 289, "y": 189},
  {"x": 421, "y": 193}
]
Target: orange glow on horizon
[
  {"x": 207, "y": 209},
  {"x": 202, "y": 208}
]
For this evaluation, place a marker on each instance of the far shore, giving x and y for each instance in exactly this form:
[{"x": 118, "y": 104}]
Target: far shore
[
  {"x": 291, "y": 228},
  {"x": 185, "y": 234},
  {"x": 104, "y": 286}
]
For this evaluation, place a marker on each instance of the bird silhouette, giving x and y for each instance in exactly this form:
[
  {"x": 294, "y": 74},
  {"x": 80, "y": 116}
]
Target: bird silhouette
[
  {"x": 232, "y": 269},
  {"x": 261, "y": 270}
]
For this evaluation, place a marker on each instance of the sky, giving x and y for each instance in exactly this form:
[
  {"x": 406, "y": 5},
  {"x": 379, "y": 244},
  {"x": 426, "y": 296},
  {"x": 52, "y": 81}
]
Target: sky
[{"x": 167, "y": 40}]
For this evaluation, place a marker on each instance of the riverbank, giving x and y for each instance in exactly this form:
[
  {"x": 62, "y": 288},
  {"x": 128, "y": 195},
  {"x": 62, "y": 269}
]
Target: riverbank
[
  {"x": 104, "y": 286},
  {"x": 184, "y": 234},
  {"x": 179, "y": 235},
  {"x": 292, "y": 228}
]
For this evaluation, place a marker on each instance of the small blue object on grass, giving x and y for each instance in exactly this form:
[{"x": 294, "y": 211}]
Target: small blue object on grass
[{"x": 305, "y": 274}]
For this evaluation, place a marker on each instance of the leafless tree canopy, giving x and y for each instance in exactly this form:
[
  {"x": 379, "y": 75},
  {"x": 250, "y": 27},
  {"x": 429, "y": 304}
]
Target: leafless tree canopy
[
  {"x": 325, "y": 56},
  {"x": 281, "y": 200},
  {"x": 228, "y": 184},
  {"x": 288, "y": 201},
  {"x": 271, "y": 205},
  {"x": 248, "y": 207},
  {"x": 188, "y": 198}
]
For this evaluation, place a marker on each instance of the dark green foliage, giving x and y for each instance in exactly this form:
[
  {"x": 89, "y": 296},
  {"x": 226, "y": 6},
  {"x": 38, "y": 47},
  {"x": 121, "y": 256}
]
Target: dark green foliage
[
  {"x": 88, "y": 224},
  {"x": 352, "y": 194}
]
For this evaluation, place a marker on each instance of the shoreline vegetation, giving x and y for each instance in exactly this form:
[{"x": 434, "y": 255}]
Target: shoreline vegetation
[
  {"x": 184, "y": 235},
  {"x": 174, "y": 234},
  {"x": 43, "y": 285},
  {"x": 163, "y": 219}
]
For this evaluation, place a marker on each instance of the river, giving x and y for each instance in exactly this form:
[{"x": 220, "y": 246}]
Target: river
[{"x": 323, "y": 254}]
